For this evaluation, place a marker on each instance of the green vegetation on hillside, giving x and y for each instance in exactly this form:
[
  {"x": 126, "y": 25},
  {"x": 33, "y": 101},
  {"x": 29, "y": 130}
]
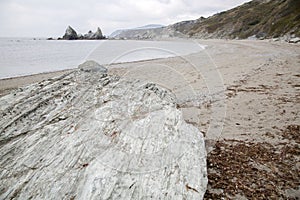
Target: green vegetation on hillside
[{"x": 263, "y": 18}]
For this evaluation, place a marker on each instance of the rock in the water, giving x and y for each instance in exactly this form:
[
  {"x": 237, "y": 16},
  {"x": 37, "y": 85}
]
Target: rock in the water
[
  {"x": 70, "y": 34},
  {"x": 98, "y": 35},
  {"x": 92, "y": 66},
  {"x": 89, "y": 35},
  {"x": 89, "y": 136},
  {"x": 94, "y": 36},
  {"x": 80, "y": 36}
]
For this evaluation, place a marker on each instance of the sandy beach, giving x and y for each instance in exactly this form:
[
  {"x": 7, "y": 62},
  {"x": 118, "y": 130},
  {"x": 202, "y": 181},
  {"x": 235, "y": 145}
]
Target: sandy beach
[
  {"x": 244, "y": 96},
  {"x": 260, "y": 83}
]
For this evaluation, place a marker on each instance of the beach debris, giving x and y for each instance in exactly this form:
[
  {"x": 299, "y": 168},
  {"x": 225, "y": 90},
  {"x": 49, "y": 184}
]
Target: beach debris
[{"x": 255, "y": 170}]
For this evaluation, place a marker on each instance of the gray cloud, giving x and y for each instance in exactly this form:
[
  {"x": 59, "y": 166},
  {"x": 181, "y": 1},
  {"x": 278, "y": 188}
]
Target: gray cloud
[{"x": 33, "y": 18}]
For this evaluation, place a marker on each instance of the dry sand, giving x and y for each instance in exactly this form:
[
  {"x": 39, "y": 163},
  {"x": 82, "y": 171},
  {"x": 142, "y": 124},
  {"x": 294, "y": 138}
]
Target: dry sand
[
  {"x": 243, "y": 94},
  {"x": 260, "y": 83}
]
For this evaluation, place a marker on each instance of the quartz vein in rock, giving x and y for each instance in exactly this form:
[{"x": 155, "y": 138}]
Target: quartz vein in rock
[{"x": 89, "y": 135}]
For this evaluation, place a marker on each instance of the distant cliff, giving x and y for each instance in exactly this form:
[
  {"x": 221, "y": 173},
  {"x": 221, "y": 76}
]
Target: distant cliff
[
  {"x": 149, "y": 31},
  {"x": 258, "y": 19},
  {"x": 146, "y": 27}
]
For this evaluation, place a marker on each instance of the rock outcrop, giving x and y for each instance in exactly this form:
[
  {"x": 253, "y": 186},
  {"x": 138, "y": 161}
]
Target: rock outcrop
[
  {"x": 70, "y": 34},
  {"x": 92, "y": 66},
  {"x": 88, "y": 35},
  {"x": 94, "y": 36},
  {"x": 90, "y": 135},
  {"x": 98, "y": 35}
]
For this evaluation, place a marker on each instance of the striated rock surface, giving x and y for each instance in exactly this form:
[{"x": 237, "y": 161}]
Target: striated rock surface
[{"x": 89, "y": 135}]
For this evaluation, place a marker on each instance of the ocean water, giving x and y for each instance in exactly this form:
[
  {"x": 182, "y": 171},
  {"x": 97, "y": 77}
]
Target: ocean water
[{"x": 26, "y": 56}]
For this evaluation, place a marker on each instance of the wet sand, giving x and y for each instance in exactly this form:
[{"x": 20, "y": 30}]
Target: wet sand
[{"x": 8, "y": 84}]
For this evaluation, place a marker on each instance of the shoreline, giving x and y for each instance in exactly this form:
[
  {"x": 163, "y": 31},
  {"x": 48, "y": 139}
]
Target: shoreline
[{"x": 10, "y": 83}]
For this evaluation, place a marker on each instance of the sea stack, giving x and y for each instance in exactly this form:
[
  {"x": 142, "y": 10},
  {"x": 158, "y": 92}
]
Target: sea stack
[
  {"x": 89, "y": 35},
  {"x": 98, "y": 35},
  {"x": 70, "y": 34},
  {"x": 94, "y": 36}
]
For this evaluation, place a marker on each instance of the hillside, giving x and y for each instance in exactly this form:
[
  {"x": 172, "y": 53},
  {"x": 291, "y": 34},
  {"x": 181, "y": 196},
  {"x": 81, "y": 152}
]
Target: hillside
[
  {"x": 263, "y": 18},
  {"x": 258, "y": 18}
]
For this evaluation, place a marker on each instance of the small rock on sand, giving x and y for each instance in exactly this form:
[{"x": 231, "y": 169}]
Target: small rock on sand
[{"x": 92, "y": 66}]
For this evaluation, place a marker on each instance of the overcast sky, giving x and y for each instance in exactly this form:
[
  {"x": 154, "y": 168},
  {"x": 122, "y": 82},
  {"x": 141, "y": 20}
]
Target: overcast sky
[{"x": 45, "y": 18}]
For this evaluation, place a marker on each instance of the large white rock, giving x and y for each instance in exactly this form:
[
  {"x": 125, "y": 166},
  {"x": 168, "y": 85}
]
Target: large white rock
[{"x": 90, "y": 136}]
